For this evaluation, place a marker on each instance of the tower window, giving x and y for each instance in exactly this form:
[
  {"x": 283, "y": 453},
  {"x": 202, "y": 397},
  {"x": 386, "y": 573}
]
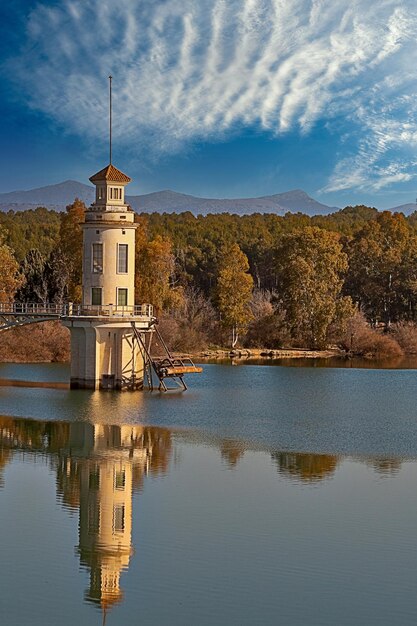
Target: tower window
[
  {"x": 115, "y": 193},
  {"x": 119, "y": 518},
  {"x": 96, "y": 296},
  {"x": 122, "y": 297},
  {"x": 97, "y": 258},
  {"x": 120, "y": 479},
  {"x": 122, "y": 258}
]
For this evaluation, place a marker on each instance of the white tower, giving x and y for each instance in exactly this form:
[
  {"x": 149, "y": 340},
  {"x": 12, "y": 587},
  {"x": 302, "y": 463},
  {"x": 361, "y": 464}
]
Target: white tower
[
  {"x": 104, "y": 354},
  {"x": 109, "y": 244}
]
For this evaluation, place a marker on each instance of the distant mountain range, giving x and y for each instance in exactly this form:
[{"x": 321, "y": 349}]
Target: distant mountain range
[
  {"x": 58, "y": 196},
  {"x": 407, "y": 209},
  {"x": 52, "y": 197}
]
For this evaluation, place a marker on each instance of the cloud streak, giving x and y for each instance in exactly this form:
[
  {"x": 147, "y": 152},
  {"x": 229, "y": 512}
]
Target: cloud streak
[{"x": 187, "y": 71}]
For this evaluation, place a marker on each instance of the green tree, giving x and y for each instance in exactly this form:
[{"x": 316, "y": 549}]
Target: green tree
[
  {"x": 234, "y": 290},
  {"x": 382, "y": 277},
  {"x": 26, "y": 230},
  {"x": 35, "y": 287},
  {"x": 57, "y": 277},
  {"x": 311, "y": 265}
]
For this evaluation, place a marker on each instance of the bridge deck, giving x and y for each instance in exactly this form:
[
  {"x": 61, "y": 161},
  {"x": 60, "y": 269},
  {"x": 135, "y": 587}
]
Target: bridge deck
[{"x": 21, "y": 313}]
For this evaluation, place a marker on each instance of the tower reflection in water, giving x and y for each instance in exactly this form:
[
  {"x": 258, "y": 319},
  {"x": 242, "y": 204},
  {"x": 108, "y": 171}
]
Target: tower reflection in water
[
  {"x": 98, "y": 473},
  {"x": 99, "y": 467}
]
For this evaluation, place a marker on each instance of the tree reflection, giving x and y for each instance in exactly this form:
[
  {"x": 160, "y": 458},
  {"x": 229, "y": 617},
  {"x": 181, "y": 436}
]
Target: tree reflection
[
  {"x": 100, "y": 466},
  {"x": 305, "y": 467},
  {"x": 4, "y": 457},
  {"x": 385, "y": 465},
  {"x": 231, "y": 452}
]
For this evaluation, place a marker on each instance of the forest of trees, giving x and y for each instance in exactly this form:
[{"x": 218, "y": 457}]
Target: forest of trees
[{"x": 347, "y": 279}]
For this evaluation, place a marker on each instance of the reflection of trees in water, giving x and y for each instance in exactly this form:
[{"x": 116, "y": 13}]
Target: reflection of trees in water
[
  {"x": 385, "y": 465},
  {"x": 99, "y": 467},
  {"x": 305, "y": 467},
  {"x": 4, "y": 457},
  {"x": 28, "y": 434},
  {"x": 231, "y": 451}
]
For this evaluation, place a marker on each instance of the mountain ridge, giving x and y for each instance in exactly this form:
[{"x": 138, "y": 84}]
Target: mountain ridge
[{"x": 59, "y": 195}]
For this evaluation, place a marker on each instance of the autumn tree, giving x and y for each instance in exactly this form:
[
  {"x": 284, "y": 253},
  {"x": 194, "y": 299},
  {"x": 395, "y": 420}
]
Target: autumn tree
[
  {"x": 234, "y": 290},
  {"x": 10, "y": 279},
  {"x": 154, "y": 271},
  {"x": 71, "y": 246},
  {"x": 196, "y": 319},
  {"x": 311, "y": 265}
]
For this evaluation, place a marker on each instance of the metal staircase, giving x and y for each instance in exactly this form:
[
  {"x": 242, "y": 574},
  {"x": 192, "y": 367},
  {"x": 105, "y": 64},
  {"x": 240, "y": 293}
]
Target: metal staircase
[{"x": 166, "y": 367}]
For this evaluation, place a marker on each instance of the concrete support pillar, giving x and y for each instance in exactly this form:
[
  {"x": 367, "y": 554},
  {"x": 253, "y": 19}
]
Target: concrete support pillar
[{"x": 104, "y": 356}]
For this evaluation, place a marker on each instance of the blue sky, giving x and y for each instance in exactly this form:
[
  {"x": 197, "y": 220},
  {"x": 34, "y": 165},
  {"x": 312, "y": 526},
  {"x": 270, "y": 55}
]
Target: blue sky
[{"x": 221, "y": 98}]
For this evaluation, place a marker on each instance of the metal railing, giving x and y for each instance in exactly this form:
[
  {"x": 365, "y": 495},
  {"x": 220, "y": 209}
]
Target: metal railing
[{"x": 71, "y": 309}]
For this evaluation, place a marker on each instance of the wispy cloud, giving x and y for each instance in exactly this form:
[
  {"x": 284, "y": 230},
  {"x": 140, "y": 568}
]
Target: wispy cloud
[{"x": 187, "y": 71}]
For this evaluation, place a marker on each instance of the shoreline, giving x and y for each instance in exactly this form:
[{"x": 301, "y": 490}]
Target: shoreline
[{"x": 264, "y": 353}]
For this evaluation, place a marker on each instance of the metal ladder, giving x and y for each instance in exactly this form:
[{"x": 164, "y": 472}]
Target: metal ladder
[{"x": 166, "y": 367}]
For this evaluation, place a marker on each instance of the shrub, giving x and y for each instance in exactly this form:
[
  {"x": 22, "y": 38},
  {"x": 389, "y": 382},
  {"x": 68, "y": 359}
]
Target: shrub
[
  {"x": 362, "y": 340},
  {"x": 405, "y": 333},
  {"x": 46, "y": 342},
  {"x": 269, "y": 331}
]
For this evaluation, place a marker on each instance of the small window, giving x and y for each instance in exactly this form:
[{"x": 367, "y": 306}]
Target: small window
[
  {"x": 115, "y": 193},
  {"x": 119, "y": 518},
  {"x": 96, "y": 296},
  {"x": 97, "y": 258},
  {"x": 120, "y": 480},
  {"x": 122, "y": 297},
  {"x": 122, "y": 258}
]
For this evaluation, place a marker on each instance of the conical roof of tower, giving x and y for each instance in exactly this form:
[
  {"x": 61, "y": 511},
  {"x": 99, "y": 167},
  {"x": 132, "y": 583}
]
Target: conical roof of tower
[{"x": 112, "y": 174}]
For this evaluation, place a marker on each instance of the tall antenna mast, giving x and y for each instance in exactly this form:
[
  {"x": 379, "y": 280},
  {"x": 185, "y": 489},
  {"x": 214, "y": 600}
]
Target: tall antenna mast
[{"x": 110, "y": 137}]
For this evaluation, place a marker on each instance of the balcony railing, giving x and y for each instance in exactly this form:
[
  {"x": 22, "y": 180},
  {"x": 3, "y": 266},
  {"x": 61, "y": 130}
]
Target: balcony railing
[{"x": 75, "y": 310}]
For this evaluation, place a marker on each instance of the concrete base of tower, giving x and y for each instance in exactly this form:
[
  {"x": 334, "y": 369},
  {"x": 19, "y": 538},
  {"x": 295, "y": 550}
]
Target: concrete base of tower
[
  {"x": 107, "y": 383},
  {"x": 104, "y": 355}
]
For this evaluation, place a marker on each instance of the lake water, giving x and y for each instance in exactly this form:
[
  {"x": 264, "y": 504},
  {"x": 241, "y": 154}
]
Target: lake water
[{"x": 263, "y": 495}]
